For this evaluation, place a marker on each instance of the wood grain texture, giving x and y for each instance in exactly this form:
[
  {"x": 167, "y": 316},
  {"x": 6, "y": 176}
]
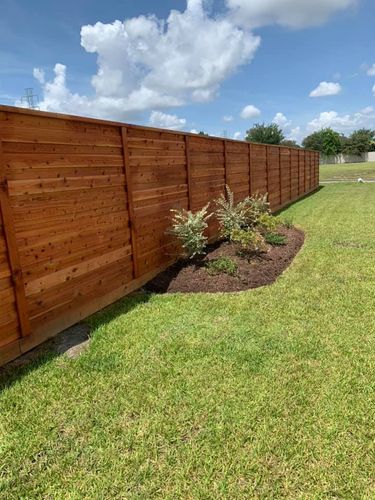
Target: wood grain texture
[
  {"x": 12, "y": 251},
  {"x": 130, "y": 198},
  {"x": 85, "y": 209},
  {"x": 188, "y": 172}
]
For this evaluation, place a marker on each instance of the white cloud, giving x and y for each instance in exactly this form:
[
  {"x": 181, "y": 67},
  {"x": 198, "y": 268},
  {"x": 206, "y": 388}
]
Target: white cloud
[
  {"x": 146, "y": 63},
  {"x": 325, "y": 89},
  {"x": 250, "y": 111},
  {"x": 330, "y": 119},
  {"x": 368, "y": 110},
  {"x": 292, "y": 133},
  {"x": 371, "y": 70},
  {"x": 291, "y": 13},
  {"x": 194, "y": 131},
  {"x": 341, "y": 123},
  {"x": 238, "y": 136},
  {"x": 373, "y": 90},
  {"x": 228, "y": 118},
  {"x": 39, "y": 75},
  {"x": 164, "y": 120},
  {"x": 295, "y": 134},
  {"x": 281, "y": 120}
]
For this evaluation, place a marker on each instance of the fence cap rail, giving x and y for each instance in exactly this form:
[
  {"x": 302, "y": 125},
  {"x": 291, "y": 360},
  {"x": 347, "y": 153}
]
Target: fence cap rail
[{"x": 86, "y": 119}]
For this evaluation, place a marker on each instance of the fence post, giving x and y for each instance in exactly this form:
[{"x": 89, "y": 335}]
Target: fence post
[
  {"x": 129, "y": 191},
  {"x": 309, "y": 169},
  {"x": 188, "y": 172},
  {"x": 299, "y": 167},
  {"x": 290, "y": 174},
  {"x": 280, "y": 177},
  {"x": 12, "y": 249},
  {"x": 249, "y": 169},
  {"x": 225, "y": 164},
  {"x": 267, "y": 172}
]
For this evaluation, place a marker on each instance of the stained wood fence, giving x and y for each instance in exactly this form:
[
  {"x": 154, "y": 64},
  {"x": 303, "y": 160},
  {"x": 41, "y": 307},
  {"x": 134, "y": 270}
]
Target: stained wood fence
[{"x": 85, "y": 204}]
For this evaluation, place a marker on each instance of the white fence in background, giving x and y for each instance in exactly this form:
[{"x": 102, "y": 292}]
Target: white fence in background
[{"x": 331, "y": 160}]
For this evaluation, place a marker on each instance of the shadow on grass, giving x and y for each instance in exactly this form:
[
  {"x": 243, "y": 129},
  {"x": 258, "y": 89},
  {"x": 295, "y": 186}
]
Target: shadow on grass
[
  {"x": 70, "y": 342},
  {"x": 278, "y": 212}
]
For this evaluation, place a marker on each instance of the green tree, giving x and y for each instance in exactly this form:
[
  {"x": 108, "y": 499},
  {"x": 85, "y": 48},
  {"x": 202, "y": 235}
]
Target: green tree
[
  {"x": 203, "y": 133},
  {"x": 360, "y": 141},
  {"x": 314, "y": 141},
  {"x": 265, "y": 134},
  {"x": 290, "y": 143},
  {"x": 326, "y": 141}
]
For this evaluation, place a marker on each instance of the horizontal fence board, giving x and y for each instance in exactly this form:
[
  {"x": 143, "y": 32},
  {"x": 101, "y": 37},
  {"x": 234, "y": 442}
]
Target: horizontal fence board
[{"x": 90, "y": 207}]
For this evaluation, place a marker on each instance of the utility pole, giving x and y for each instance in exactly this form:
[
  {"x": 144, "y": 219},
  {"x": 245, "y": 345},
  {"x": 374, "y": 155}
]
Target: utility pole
[{"x": 30, "y": 99}]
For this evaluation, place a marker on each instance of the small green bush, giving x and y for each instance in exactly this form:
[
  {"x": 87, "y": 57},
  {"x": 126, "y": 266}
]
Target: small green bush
[
  {"x": 188, "y": 228},
  {"x": 266, "y": 223},
  {"x": 249, "y": 241},
  {"x": 230, "y": 215},
  {"x": 275, "y": 239},
  {"x": 259, "y": 206},
  {"x": 222, "y": 265},
  {"x": 249, "y": 213}
]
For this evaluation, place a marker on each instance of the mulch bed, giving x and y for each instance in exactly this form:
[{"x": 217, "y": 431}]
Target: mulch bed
[{"x": 263, "y": 269}]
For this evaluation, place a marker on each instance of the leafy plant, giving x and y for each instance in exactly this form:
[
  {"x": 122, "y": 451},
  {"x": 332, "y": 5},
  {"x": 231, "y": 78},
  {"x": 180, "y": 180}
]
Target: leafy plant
[
  {"x": 249, "y": 241},
  {"x": 222, "y": 265},
  {"x": 246, "y": 214},
  {"x": 188, "y": 228},
  {"x": 230, "y": 215},
  {"x": 266, "y": 223},
  {"x": 260, "y": 203},
  {"x": 259, "y": 207},
  {"x": 275, "y": 239}
]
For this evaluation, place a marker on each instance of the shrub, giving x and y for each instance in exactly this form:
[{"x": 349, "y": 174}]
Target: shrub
[
  {"x": 249, "y": 241},
  {"x": 222, "y": 265},
  {"x": 242, "y": 222},
  {"x": 275, "y": 239},
  {"x": 260, "y": 204},
  {"x": 266, "y": 223},
  {"x": 188, "y": 228},
  {"x": 231, "y": 216},
  {"x": 248, "y": 213}
]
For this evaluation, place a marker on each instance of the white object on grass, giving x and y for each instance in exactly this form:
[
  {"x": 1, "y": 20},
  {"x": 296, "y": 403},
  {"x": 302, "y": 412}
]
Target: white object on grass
[{"x": 360, "y": 180}]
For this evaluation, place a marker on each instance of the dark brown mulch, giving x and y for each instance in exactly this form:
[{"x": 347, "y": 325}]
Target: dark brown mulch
[{"x": 190, "y": 277}]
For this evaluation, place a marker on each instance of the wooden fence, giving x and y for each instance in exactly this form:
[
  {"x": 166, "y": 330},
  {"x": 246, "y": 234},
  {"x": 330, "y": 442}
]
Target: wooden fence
[{"x": 85, "y": 204}]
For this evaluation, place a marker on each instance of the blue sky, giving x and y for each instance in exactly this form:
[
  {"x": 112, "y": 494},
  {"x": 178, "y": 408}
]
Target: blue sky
[{"x": 210, "y": 61}]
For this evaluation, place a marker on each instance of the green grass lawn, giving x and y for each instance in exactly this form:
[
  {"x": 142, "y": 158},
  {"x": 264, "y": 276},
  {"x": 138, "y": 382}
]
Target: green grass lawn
[
  {"x": 348, "y": 171},
  {"x": 268, "y": 393}
]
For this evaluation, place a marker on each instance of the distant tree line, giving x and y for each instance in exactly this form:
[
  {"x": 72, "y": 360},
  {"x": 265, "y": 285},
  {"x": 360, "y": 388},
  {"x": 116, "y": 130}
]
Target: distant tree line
[{"x": 327, "y": 141}]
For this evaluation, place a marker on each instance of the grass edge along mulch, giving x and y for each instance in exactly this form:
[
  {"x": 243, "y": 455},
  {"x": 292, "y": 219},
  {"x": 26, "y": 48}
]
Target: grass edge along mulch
[{"x": 188, "y": 276}]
